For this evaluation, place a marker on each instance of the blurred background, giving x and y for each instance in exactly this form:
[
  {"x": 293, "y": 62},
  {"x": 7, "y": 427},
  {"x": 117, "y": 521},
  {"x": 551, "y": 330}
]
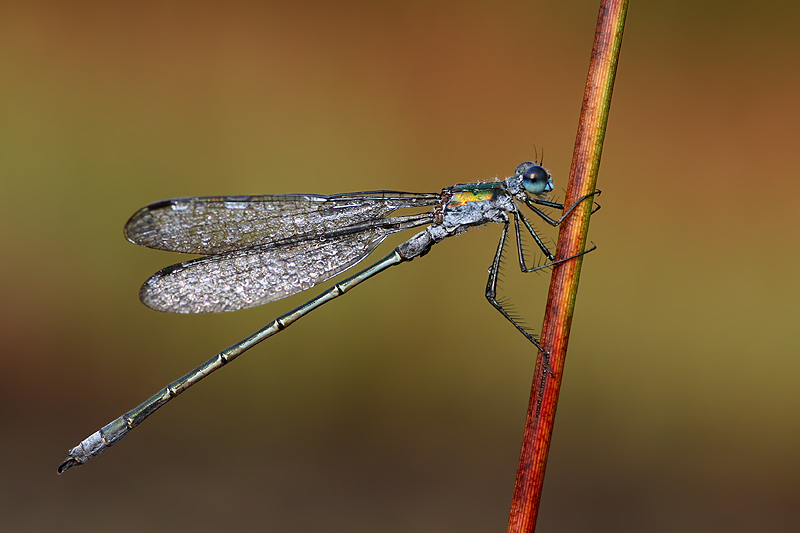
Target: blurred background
[{"x": 401, "y": 407}]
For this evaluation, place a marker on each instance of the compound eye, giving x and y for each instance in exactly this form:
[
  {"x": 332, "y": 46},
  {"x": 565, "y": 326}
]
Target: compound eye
[{"x": 536, "y": 180}]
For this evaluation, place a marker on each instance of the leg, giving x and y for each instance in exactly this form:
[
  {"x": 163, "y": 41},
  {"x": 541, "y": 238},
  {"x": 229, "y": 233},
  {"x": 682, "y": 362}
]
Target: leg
[
  {"x": 517, "y": 216},
  {"x": 522, "y": 266},
  {"x": 553, "y": 222},
  {"x": 491, "y": 290},
  {"x": 491, "y": 284}
]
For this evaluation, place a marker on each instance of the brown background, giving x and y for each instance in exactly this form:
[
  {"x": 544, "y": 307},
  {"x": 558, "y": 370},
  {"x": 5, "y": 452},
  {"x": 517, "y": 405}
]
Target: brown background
[{"x": 400, "y": 408}]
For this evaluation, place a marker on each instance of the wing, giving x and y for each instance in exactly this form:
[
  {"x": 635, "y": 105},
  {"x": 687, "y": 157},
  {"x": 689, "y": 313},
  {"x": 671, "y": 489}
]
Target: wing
[
  {"x": 213, "y": 225},
  {"x": 245, "y": 278}
]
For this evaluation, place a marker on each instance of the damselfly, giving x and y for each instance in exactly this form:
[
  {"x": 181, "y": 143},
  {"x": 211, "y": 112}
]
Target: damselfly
[{"x": 259, "y": 249}]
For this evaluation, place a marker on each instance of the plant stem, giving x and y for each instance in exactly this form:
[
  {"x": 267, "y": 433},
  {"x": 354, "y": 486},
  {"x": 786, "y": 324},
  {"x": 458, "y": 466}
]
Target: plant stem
[{"x": 564, "y": 281}]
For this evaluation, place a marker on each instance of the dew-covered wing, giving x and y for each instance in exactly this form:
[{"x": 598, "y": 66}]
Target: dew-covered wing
[
  {"x": 213, "y": 225},
  {"x": 246, "y": 278}
]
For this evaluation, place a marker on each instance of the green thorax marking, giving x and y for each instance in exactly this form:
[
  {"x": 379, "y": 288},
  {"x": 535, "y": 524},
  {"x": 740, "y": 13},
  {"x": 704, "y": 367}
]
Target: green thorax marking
[{"x": 473, "y": 192}]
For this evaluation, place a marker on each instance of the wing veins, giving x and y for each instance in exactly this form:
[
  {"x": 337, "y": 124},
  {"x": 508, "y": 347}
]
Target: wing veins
[{"x": 211, "y": 225}]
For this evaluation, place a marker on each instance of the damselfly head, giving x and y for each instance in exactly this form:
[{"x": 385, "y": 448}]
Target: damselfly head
[{"x": 535, "y": 179}]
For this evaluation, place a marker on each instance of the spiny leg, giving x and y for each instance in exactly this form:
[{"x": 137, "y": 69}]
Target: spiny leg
[
  {"x": 553, "y": 222},
  {"x": 517, "y": 216},
  {"x": 522, "y": 266},
  {"x": 491, "y": 291},
  {"x": 494, "y": 270}
]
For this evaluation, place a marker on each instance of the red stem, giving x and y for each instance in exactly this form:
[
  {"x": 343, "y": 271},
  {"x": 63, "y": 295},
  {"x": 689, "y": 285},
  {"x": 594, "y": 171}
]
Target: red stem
[{"x": 564, "y": 282}]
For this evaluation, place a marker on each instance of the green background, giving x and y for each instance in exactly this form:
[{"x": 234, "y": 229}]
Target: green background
[{"x": 401, "y": 407}]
